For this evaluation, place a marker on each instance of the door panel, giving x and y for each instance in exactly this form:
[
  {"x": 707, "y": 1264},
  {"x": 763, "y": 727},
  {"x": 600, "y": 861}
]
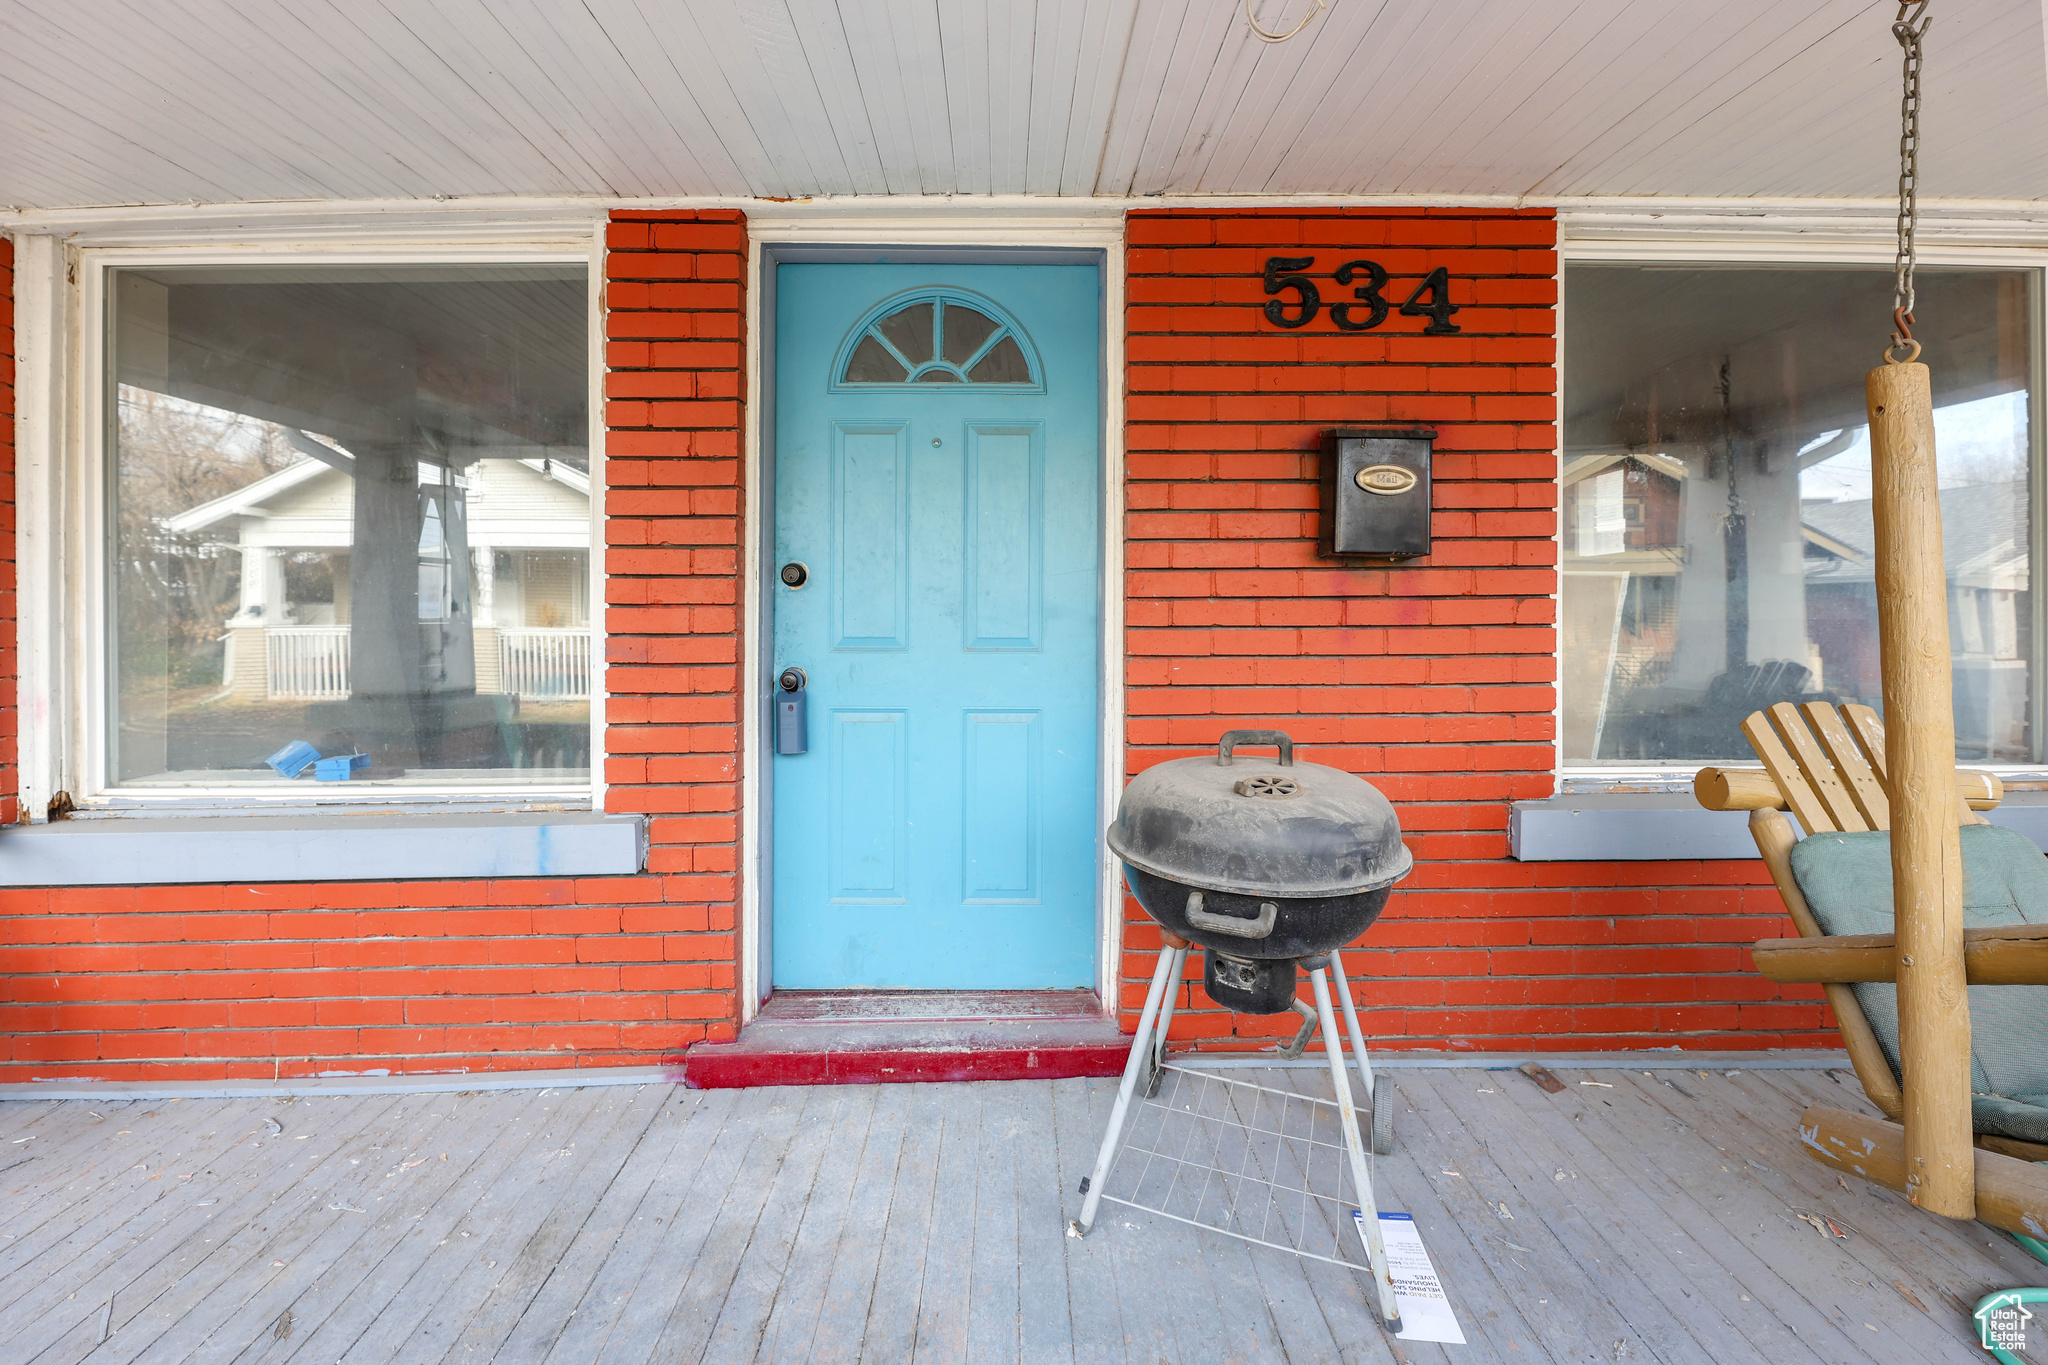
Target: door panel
[
  {"x": 1001, "y": 805},
  {"x": 938, "y": 472},
  {"x": 1005, "y": 569},
  {"x": 869, "y": 822},
  {"x": 871, "y": 537}
]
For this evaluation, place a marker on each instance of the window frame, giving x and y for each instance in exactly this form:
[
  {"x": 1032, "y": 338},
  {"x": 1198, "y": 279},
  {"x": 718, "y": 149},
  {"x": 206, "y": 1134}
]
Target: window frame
[
  {"x": 71, "y": 680},
  {"x": 1840, "y": 246}
]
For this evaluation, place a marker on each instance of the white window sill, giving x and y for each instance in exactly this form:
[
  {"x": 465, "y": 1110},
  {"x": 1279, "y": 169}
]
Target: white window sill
[
  {"x": 1672, "y": 827},
  {"x": 337, "y": 799},
  {"x": 185, "y": 849}
]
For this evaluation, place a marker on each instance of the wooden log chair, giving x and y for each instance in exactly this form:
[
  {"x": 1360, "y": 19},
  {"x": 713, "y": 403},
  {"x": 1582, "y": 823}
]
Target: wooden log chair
[{"x": 1826, "y": 765}]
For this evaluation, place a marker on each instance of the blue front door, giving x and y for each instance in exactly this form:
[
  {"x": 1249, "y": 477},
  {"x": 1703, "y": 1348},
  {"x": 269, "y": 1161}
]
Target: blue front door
[{"x": 938, "y": 479}]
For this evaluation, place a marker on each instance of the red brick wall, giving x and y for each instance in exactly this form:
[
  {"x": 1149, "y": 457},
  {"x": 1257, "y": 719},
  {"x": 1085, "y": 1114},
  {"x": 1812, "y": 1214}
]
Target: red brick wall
[
  {"x": 1433, "y": 679},
  {"x": 269, "y": 980}
]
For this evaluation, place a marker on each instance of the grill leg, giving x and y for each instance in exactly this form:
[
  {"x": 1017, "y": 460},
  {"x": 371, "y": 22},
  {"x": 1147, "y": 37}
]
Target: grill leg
[
  {"x": 1156, "y": 1065},
  {"x": 1351, "y": 1022},
  {"x": 1164, "y": 979},
  {"x": 1361, "y": 1173}
]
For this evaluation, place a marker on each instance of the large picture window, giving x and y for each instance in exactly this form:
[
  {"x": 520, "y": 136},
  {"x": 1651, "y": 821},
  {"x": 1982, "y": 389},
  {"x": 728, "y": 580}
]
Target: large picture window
[
  {"x": 1716, "y": 525},
  {"x": 348, "y": 526}
]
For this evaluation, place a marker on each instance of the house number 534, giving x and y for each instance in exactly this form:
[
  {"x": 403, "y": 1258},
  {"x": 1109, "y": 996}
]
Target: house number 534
[{"x": 1431, "y": 299}]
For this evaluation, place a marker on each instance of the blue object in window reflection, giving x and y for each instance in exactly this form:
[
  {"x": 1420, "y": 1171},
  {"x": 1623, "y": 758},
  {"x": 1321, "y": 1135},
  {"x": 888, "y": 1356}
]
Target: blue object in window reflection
[
  {"x": 292, "y": 759},
  {"x": 339, "y": 768}
]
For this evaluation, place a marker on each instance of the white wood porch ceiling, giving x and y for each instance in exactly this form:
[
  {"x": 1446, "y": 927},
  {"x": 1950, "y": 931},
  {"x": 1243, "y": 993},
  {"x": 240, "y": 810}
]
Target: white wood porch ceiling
[{"x": 168, "y": 101}]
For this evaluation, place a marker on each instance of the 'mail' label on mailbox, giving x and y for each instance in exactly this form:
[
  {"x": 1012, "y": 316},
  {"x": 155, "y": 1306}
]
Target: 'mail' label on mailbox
[{"x": 1385, "y": 478}]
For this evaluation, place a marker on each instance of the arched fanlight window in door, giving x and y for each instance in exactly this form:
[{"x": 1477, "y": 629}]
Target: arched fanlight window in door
[{"x": 937, "y": 336}]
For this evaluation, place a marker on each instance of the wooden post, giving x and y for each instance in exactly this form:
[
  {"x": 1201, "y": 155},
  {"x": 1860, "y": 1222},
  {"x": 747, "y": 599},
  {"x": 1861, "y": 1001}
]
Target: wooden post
[{"x": 1920, "y": 754}]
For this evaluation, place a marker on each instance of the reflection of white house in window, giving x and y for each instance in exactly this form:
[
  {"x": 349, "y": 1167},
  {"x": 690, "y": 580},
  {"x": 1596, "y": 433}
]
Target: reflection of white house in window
[
  {"x": 1984, "y": 541},
  {"x": 528, "y": 533}
]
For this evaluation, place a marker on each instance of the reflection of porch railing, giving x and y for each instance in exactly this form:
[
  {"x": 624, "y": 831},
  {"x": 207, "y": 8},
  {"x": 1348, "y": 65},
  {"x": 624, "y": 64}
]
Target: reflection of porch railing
[
  {"x": 544, "y": 664},
  {"x": 307, "y": 662},
  {"x": 311, "y": 663}
]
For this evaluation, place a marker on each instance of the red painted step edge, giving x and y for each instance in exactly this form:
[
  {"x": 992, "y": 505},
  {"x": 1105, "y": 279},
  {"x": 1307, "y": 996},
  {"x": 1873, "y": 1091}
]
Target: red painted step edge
[{"x": 722, "y": 1066}]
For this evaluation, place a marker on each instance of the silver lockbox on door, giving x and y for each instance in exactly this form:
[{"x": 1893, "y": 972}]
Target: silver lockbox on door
[{"x": 1376, "y": 492}]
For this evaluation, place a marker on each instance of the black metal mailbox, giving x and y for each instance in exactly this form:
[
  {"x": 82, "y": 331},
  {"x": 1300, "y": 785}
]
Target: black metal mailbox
[{"x": 1376, "y": 492}]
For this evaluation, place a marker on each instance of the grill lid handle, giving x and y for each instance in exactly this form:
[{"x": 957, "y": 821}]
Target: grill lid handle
[{"x": 1278, "y": 738}]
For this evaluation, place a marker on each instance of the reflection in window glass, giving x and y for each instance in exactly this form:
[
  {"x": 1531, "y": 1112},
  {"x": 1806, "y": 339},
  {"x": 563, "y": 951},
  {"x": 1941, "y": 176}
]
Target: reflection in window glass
[
  {"x": 937, "y": 341},
  {"x": 1004, "y": 364},
  {"x": 1716, "y": 528},
  {"x": 909, "y": 330},
  {"x": 967, "y": 331},
  {"x": 350, "y": 515},
  {"x": 872, "y": 364}
]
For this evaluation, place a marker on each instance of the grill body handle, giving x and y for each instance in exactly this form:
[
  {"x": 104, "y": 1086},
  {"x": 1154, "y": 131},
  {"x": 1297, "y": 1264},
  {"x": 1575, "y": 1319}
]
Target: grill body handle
[{"x": 1269, "y": 914}]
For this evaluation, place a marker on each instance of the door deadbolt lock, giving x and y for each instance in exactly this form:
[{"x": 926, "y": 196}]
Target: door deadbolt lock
[{"x": 794, "y": 575}]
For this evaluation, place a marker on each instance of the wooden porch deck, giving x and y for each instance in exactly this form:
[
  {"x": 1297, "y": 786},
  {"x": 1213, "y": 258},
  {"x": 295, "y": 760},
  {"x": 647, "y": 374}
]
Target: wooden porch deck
[{"x": 1634, "y": 1217}]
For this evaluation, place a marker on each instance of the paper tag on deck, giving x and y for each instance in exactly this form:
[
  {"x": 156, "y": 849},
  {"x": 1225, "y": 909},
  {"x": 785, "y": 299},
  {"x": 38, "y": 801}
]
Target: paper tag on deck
[{"x": 1425, "y": 1309}]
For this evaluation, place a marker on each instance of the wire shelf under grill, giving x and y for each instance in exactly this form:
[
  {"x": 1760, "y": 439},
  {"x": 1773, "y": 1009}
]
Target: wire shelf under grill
[{"x": 1264, "y": 1165}]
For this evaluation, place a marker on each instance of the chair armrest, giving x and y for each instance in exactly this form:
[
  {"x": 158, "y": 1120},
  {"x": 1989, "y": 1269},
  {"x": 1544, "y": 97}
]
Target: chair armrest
[
  {"x": 2016, "y": 956},
  {"x": 1753, "y": 789}
]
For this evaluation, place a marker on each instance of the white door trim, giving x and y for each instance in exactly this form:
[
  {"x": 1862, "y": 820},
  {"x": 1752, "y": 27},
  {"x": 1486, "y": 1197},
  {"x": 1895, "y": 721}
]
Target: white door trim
[{"x": 975, "y": 237}]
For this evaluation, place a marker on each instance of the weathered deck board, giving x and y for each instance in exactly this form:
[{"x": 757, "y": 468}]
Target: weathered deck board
[
  {"x": 1315, "y": 1304},
  {"x": 993, "y": 1301},
  {"x": 1641, "y": 1230},
  {"x": 838, "y": 1322},
  {"x": 251, "y": 1281},
  {"x": 1928, "y": 1258},
  {"x": 1547, "y": 1176},
  {"x": 1962, "y": 1243},
  {"x": 1540, "y": 1273},
  {"x": 1080, "y": 1111},
  {"x": 925, "y": 1223},
  {"x": 143, "y": 1275},
  {"x": 456, "y": 1278},
  {"x": 798, "y": 1291},
  {"x": 888, "y": 1332},
  {"x": 600, "y": 1275},
  {"x": 1781, "y": 1185},
  {"x": 105, "y": 1192},
  {"x": 764, "y": 1266},
  {"x": 1044, "y": 1311},
  {"x": 945, "y": 1287},
  {"x": 1262, "y": 1307},
  {"x": 351, "y": 1294},
  {"x": 1638, "y": 1136},
  {"x": 790, "y": 1138},
  {"x": 537, "y": 1258},
  {"x": 269, "y": 1324},
  {"x": 1760, "y": 1206},
  {"x": 635, "y": 1292},
  {"x": 100, "y": 1170}
]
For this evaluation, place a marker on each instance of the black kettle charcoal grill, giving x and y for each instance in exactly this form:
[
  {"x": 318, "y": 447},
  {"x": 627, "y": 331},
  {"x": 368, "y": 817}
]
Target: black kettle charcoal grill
[{"x": 1270, "y": 867}]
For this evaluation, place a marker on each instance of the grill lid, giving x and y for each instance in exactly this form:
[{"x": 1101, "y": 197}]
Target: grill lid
[{"x": 1257, "y": 828}]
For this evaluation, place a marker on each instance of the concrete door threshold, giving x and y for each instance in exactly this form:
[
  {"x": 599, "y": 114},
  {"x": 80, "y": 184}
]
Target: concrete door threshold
[{"x": 871, "y": 1037}]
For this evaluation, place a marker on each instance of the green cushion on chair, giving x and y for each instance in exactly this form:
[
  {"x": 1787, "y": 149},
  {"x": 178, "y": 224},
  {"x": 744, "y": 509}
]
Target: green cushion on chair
[{"x": 1847, "y": 880}]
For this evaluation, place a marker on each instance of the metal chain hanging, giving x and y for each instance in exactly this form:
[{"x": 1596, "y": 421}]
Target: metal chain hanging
[{"x": 1909, "y": 28}]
